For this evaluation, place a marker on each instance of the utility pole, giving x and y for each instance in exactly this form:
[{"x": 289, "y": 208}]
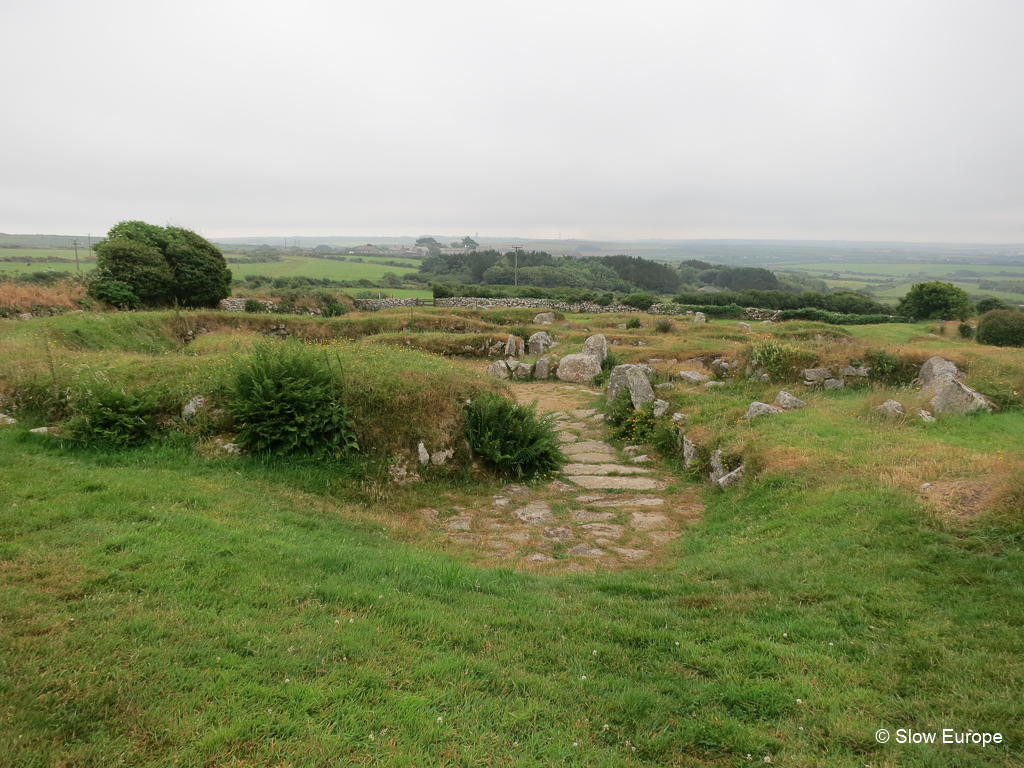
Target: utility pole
[
  {"x": 77, "y": 265},
  {"x": 517, "y": 249}
]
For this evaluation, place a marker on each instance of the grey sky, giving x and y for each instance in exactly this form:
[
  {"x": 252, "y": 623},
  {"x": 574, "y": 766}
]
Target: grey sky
[{"x": 782, "y": 119}]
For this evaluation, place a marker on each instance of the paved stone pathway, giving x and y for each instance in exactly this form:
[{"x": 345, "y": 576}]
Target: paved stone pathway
[{"x": 593, "y": 518}]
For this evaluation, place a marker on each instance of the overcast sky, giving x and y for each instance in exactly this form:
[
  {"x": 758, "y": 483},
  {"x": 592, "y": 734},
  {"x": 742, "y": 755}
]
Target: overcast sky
[{"x": 672, "y": 119}]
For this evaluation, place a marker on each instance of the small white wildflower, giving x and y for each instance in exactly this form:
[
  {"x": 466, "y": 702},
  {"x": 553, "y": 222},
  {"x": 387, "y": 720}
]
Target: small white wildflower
[
  {"x": 767, "y": 759},
  {"x": 337, "y": 621},
  {"x": 575, "y": 743},
  {"x": 595, "y": 653},
  {"x": 677, "y": 642},
  {"x": 785, "y": 634},
  {"x": 604, "y": 727},
  {"x": 351, "y": 620},
  {"x": 440, "y": 719},
  {"x": 831, "y": 643},
  {"x": 371, "y": 737},
  {"x": 799, "y": 701},
  {"x": 287, "y": 679},
  {"x": 583, "y": 677}
]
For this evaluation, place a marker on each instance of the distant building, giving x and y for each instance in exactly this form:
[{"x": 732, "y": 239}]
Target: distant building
[
  {"x": 709, "y": 289},
  {"x": 367, "y": 249}
]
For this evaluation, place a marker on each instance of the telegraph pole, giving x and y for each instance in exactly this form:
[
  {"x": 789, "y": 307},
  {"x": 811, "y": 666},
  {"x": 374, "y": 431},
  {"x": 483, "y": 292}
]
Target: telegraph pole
[
  {"x": 77, "y": 265},
  {"x": 517, "y": 249}
]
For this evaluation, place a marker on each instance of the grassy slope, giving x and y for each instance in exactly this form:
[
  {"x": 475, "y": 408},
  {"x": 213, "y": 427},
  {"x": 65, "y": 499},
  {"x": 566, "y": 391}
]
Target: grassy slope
[{"x": 166, "y": 609}]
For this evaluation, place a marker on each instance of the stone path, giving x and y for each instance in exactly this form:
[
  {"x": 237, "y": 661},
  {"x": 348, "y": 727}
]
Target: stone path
[{"x": 594, "y": 518}]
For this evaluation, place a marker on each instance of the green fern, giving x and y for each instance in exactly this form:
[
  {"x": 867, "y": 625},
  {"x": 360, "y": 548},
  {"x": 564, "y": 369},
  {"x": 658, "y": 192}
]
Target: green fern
[{"x": 513, "y": 438}]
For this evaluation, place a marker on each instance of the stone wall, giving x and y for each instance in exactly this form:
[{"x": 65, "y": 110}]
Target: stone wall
[
  {"x": 238, "y": 305},
  {"x": 372, "y": 305}
]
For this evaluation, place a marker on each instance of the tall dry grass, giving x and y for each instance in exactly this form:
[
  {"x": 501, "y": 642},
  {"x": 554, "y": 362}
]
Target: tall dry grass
[{"x": 24, "y": 296}]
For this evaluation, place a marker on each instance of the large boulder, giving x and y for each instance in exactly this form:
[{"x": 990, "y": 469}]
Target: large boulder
[
  {"x": 689, "y": 453},
  {"x": 693, "y": 377},
  {"x": 939, "y": 380},
  {"x": 635, "y": 379},
  {"x": 816, "y": 374},
  {"x": 539, "y": 342},
  {"x": 523, "y": 371},
  {"x": 544, "y": 318},
  {"x": 786, "y": 400},
  {"x": 579, "y": 368},
  {"x": 542, "y": 369},
  {"x": 511, "y": 346},
  {"x": 596, "y": 345},
  {"x": 499, "y": 369},
  {"x": 892, "y": 408},
  {"x": 698, "y": 317},
  {"x": 758, "y": 409}
]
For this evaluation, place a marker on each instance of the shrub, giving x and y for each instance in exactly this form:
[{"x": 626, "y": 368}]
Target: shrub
[
  {"x": 114, "y": 292},
  {"x": 163, "y": 265},
  {"x": 641, "y": 301},
  {"x": 936, "y": 300},
  {"x": 889, "y": 368},
  {"x": 1001, "y": 328},
  {"x": 334, "y": 308},
  {"x": 287, "y": 400},
  {"x": 605, "y": 299},
  {"x": 663, "y": 325},
  {"x": 105, "y": 415},
  {"x": 253, "y": 305},
  {"x": 606, "y": 369},
  {"x": 989, "y": 303},
  {"x": 633, "y": 322},
  {"x": 775, "y": 357},
  {"x": 966, "y": 330},
  {"x": 513, "y": 438},
  {"x": 632, "y": 426}
]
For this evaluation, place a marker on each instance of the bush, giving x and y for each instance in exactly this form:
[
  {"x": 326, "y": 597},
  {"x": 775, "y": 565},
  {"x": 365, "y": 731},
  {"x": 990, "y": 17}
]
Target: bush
[
  {"x": 163, "y": 265},
  {"x": 513, "y": 438},
  {"x": 114, "y": 292},
  {"x": 641, "y": 301},
  {"x": 966, "y": 330},
  {"x": 104, "y": 415},
  {"x": 632, "y": 426},
  {"x": 889, "y": 368},
  {"x": 333, "y": 308},
  {"x": 605, "y": 299},
  {"x": 663, "y": 325},
  {"x": 606, "y": 369},
  {"x": 287, "y": 400},
  {"x": 253, "y": 305},
  {"x": 936, "y": 300},
  {"x": 634, "y": 322},
  {"x": 775, "y": 357},
  {"x": 989, "y": 303},
  {"x": 1001, "y": 328}
]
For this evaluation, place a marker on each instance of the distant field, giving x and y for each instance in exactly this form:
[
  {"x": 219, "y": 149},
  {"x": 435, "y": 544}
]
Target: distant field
[
  {"x": 972, "y": 288},
  {"x": 300, "y": 266},
  {"x": 905, "y": 269}
]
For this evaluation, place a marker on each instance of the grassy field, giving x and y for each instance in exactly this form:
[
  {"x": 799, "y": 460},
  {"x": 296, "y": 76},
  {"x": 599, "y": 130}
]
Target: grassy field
[
  {"x": 296, "y": 266},
  {"x": 161, "y": 607},
  {"x": 927, "y": 271}
]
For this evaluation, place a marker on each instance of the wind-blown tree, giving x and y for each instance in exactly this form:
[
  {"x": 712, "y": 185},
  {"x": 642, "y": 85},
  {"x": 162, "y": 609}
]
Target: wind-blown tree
[
  {"x": 936, "y": 301},
  {"x": 158, "y": 266}
]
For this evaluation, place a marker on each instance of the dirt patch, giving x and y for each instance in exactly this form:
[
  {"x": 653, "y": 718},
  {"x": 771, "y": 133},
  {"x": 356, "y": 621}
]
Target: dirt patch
[{"x": 961, "y": 498}]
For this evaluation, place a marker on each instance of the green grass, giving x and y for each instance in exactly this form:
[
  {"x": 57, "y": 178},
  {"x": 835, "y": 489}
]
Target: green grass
[
  {"x": 301, "y": 266},
  {"x": 165, "y": 609},
  {"x": 913, "y": 269}
]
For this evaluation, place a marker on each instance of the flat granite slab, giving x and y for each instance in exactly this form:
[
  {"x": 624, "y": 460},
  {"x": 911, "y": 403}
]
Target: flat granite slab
[
  {"x": 603, "y": 469},
  {"x": 596, "y": 483}
]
